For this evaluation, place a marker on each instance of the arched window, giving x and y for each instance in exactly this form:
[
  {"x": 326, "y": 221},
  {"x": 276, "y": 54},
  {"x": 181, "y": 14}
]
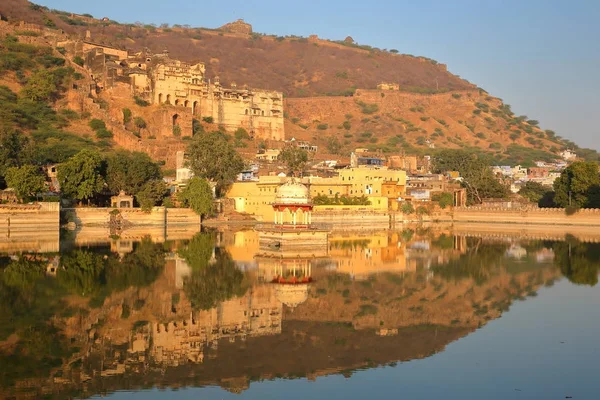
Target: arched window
[
  {"x": 246, "y": 111},
  {"x": 160, "y": 98}
]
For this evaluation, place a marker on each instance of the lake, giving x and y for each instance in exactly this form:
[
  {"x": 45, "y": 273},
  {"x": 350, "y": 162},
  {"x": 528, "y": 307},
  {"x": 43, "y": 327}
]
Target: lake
[{"x": 423, "y": 312}]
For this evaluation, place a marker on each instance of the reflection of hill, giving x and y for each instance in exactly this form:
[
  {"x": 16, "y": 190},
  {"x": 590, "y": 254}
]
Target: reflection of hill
[{"x": 149, "y": 334}]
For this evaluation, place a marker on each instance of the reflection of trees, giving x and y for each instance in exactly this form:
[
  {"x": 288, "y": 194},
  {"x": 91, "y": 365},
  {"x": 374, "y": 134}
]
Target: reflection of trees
[
  {"x": 199, "y": 250},
  {"x": 479, "y": 263},
  {"x": 210, "y": 283},
  {"x": 90, "y": 274},
  {"x": 40, "y": 349},
  {"x": 27, "y": 296},
  {"x": 579, "y": 262}
]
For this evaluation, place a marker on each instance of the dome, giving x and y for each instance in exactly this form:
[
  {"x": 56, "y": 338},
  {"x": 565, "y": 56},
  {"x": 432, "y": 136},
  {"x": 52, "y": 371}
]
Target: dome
[
  {"x": 292, "y": 192},
  {"x": 292, "y": 295}
]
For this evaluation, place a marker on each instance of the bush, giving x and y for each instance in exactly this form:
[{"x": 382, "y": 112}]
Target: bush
[
  {"x": 126, "y": 115},
  {"x": 407, "y": 208},
  {"x": 241, "y": 134},
  {"x": 78, "y": 60},
  {"x": 208, "y": 120},
  {"x": 347, "y": 125},
  {"x": 97, "y": 124},
  {"x": 368, "y": 108},
  {"x": 456, "y": 95},
  {"x": 176, "y": 130},
  {"x": 570, "y": 210},
  {"x": 141, "y": 102},
  {"x": 322, "y": 127},
  {"x": 103, "y": 134}
]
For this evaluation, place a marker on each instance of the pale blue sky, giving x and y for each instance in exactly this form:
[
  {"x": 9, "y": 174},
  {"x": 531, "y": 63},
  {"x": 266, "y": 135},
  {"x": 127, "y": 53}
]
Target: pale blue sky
[{"x": 542, "y": 57}]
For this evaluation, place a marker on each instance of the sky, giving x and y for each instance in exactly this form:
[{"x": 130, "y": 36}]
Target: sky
[{"x": 540, "y": 56}]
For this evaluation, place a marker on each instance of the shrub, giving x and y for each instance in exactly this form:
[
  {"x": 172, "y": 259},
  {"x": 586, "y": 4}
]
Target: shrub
[
  {"x": 347, "y": 125},
  {"x": 141, "y": 102},
  {"x": 480, "y": 135},
  {"x": 322, "y": 127},
  {"x": 103, "y": 134},
  {"x": 241, "y": 134},
  {"x": 495, "y": 146},
  {"x": 366, "y": 108},
  {"x": 208, "y": 120},
  {"x": 78, "y": 60},
  {"x": 456, "y": 95},
  {"x": 424, "y": 119},
  {"x": 97, "y": 124},
  {"x": 176, "y": 130},
  {"x": 570, "y": 210},
  {"x": 407, "y": 208},
  {"x": 126, "y": 115}
]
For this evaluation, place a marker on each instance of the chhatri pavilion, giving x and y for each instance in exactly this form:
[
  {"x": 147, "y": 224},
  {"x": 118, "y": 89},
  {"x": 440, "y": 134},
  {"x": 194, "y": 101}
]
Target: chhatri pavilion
[{"x": 292, "y": 205}]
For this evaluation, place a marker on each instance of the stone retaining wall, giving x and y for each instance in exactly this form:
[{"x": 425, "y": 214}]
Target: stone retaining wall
[{"x": 30, "y": 217}]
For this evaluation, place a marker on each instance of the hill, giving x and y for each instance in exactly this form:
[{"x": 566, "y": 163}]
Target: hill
[{"x": 332, "y": 99}]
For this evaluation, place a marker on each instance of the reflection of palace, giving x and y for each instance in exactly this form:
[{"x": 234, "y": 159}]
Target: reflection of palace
[{"x": 257, "y": 313}]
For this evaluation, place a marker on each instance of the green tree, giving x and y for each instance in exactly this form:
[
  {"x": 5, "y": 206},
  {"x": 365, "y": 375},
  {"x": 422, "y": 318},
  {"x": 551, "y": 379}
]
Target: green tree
[
  {"x": 407, "y": 208},
  {"x": 198, "y": 196},
  {"x": 333, "y": 145},
  {"x": 213, "y": 158},
  {"x": 446, "y": 200},
  {"x": 152, "y": 194},
  {"x": 41, "y": 86},
  {"x": 577, "y": 185},
  {"x": 533, "y": 191},
  {"x": 126, "y": 115},
  {"x": 477, "y": 176},
  {"x": 81, "y": 177},
  {"x": 140, "y": 124},
  {"x": 12, "y": 148},
  {"x": 27, "y": 181},
  {"x": 295, "y": 158},
  {"x": 130, "y": 171}
]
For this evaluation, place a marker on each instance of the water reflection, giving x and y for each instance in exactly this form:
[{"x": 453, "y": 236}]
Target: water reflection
[{"x": 225, "y": 308}]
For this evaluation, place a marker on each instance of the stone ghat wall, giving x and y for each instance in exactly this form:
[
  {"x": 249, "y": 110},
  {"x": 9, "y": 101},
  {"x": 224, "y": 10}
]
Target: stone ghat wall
[
  {"x": 331, "y": 215},
  {"x": 30, "y": 217},
  {"x": 548, "y": 216},
  {"x": 159, "y": 216}
]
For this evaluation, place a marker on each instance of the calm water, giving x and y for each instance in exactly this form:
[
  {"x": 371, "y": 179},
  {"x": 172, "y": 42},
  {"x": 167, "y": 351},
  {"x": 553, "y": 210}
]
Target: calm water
[{"x": 421, "y": 313}]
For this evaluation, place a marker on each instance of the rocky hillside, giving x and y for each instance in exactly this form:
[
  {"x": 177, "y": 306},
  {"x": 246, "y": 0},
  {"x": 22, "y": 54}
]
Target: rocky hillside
[
  {"x": 297, "y": 66},
  {"x": 393, "y": 121},
  {"x": 331, "y": 91}
]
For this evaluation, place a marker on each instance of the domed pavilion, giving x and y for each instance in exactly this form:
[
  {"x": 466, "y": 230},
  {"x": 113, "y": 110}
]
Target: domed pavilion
[{"x": 292, "y": 205}]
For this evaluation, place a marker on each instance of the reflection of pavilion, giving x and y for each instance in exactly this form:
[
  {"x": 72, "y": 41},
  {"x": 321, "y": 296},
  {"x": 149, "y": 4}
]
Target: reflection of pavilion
[{"x": 290, "y": 277}]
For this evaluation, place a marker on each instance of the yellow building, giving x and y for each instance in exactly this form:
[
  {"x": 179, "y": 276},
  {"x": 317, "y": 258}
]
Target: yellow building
[{"x": 379, "y": 185}]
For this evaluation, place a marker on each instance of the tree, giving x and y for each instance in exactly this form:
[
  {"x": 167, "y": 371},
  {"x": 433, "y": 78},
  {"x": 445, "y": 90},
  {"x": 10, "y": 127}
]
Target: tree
[
  {"x": 477, "y": 176},
  {"x": 295, "y": 158},
  {"x": 27, "y": 181},
  {"x": 534, "y": 191},
  {"x": 213, "y": 158},
  {"x": 152, "y": 194},
  {"x": 577, "y": 185},
  {"x": 446, "y": 200},
  {"x": 333, "y": 145},
  {"x": 12, "y": 146},
  {"x": 130, "y": 171},
  {"x": 198, "y": 196},
  {"x": 41, "y": 86},
  {"x": 407, "y": 208},
  {"x": 126, "y": 115},
  {"x": 81, "y": 177},
  {"x": 140, "y": 124}
]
